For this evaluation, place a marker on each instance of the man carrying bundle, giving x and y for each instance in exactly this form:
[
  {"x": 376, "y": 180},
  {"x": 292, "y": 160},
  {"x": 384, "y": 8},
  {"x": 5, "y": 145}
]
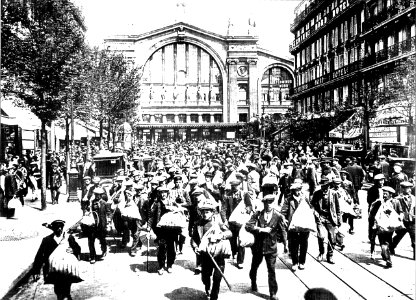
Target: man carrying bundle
[
  {"x": 166, "y": 234},
  {"x": 210, "y": 229},
  {"x": 62, "y": 281},
  {"x": 266, "y": 225}
]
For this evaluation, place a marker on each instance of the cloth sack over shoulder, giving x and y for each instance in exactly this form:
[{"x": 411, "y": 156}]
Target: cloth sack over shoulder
[
  {"x": 239, "y": 215},
  {"x": 217, "y": 248},
  {"x": 62, "y": 262},
  {"x": 88, "y": 219},
  {"x": 130, "y": 211},
  {"x": 14, "y": 203},
  {"x": 173, "y": 219},
  {"x": 387, "y": 219},
  {"x": 245, "y": 238},
  {"x": 303, "y": 218}
]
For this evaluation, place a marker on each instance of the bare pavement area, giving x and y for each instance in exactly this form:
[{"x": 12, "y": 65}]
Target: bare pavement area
[{"x": 120, "y": 276}]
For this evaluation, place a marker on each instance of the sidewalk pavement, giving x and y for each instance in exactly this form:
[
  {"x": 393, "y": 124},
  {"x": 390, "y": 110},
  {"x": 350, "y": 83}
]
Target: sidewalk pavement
[{"x": 21, "y": 236}]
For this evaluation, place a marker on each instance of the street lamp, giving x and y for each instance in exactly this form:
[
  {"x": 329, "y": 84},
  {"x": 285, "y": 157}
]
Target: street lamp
[{"x": 73, "y": 172}]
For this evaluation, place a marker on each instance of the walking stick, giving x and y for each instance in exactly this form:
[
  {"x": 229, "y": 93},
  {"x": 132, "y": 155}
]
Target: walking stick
[
  {"x": 219, "y": 270},
  {"x": 147, "y": 254}
]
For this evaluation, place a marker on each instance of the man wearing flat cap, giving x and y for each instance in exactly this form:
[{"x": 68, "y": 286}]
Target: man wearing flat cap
[
  {"x": 203, "y": 229},
  {"x": 62, "y": 282},
  {"x": 230, "y": 201},
  {"x": 99, "y": 211},
  {"x": 312, "y": 175},
  {"x": 405, "y": 205},
  {"x": 55, "y": 184},
  {"x": 327, "y": 216},
  {"x": 297, "y": 240},
  {"x": 268, "y": 227},
  {"x": 397, "y": 177},
  {"x": 385, "y": 238}
]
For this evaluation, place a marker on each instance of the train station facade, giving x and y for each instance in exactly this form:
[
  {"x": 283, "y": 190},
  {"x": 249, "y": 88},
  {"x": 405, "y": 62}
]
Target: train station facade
[{"x": 198, "y": 84}]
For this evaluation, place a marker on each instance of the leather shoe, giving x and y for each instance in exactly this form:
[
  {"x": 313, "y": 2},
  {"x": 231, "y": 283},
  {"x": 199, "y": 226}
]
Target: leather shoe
[
  {"x": 273, "y": 297},
  {"x": 320, "y": 258},
  {"x": 301, "y": 267},
  {"x": 351, "y": 231},
  {"x": 239, "y": 266},
  {"x": 330, "y": 260},
  {"x": 389, "y": 264},
  {"x": 254, "y": 286}
]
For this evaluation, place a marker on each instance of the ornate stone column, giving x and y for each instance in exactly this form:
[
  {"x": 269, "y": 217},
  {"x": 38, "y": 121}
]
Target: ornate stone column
[
  {"x": 231, "y": 106},
  {"x": 199, "y": 118},
  {"x": 164, "y": 118},
  {"x": 152, "y": 119},
  {"x": 212, "y": 120},
  {"x": 176, "y": 119},
  {"x": 188, "y": 118},
  {"x": 252, "y": 87}
]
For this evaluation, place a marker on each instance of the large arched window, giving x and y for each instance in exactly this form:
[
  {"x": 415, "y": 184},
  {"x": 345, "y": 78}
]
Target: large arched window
[
  {"x": 181, "y": 74},
  {"x": 276, "y": 83}
]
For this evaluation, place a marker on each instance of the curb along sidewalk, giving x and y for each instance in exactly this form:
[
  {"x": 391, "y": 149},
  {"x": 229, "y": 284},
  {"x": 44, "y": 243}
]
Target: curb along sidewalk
[{"x": 20, "y": 237}]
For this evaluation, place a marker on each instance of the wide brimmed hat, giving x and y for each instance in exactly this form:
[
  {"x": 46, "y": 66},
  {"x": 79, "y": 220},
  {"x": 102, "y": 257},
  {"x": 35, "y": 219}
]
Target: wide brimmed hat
[{"x": 235, "y": 182}]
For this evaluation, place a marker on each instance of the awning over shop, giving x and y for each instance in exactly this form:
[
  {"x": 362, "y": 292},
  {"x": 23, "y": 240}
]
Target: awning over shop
[
  {"x": 80, "y": 131},
  {"x": 350, "y": 129},
  {"x": 188, "y": 125},
  {"x": 22, "y": 116}
]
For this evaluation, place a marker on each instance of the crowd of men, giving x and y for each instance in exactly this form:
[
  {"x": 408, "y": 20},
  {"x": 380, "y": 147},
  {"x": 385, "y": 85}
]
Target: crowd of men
[{"x": 206, "y": 182}]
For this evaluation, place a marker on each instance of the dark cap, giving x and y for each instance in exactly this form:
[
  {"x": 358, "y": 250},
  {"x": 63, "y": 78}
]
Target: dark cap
[{"x": 58, "y": 223}]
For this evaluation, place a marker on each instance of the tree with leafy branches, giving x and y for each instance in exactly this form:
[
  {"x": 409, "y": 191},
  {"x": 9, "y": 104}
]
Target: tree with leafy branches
[
  {"x": 115, "y": 89},
  {"x": 41, "y": 40}
]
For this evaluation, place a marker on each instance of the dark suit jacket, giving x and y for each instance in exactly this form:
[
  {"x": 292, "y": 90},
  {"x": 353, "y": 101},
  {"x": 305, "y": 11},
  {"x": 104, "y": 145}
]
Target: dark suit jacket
[
  {"x": 198, "y": 229},
  {"x": 290, "y": 205},
  {"x": 267, "y": 242},
  {"x": 334, "y": 211},
  {"x": 46, "y": 248}
]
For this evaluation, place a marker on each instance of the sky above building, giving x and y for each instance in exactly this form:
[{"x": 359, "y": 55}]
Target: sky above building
[{"x": 272, "y": 18}]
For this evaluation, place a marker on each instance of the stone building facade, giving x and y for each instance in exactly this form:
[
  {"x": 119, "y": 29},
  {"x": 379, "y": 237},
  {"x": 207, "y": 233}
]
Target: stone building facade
[{"x": 198, "y": 84}]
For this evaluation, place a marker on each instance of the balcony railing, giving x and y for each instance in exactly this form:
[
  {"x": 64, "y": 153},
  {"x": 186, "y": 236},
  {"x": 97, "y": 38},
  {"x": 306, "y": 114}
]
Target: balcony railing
[
  {"x": 386, "y": 14},
  {"x": 329, "y": 76},
  {"x": 393, "y": 51}
]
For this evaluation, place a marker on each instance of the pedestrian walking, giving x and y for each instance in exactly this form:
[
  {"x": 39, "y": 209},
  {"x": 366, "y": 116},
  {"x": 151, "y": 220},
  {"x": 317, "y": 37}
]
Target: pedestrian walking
[
  {"x": 327, "y": 216},
  {"x": 268, "y": 226},
  {"x": 61, "y": 279},
  {"x": 210, "y": 227},
  {"x": 297, "y": 240}
]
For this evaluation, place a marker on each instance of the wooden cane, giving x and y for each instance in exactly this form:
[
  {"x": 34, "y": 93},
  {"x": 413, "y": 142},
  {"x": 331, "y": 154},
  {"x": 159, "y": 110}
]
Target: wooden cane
[
  {"x": 219, "y": 270},
  {"x": 148, "y": 245}
]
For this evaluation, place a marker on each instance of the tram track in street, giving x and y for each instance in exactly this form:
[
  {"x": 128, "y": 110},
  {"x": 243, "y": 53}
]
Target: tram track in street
[{"x": 339, "y": 276}]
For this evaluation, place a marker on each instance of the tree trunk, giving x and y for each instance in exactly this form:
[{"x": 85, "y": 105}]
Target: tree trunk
[
  {"x": 101, "y": 133},
  {"x": 68, "y": 161},
  {"x": 43, "y": 143},
  {"x": 109, "y": 134}
]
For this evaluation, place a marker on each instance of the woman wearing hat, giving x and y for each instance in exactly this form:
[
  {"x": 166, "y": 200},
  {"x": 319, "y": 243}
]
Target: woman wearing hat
[
  {"x": 62, "y": 282},
  {"x": 200, "y": 230},
  {"x": 384, "y": 237},
  {"x": 297, "y": 241},
  {"x": 267, "y": 226}
]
